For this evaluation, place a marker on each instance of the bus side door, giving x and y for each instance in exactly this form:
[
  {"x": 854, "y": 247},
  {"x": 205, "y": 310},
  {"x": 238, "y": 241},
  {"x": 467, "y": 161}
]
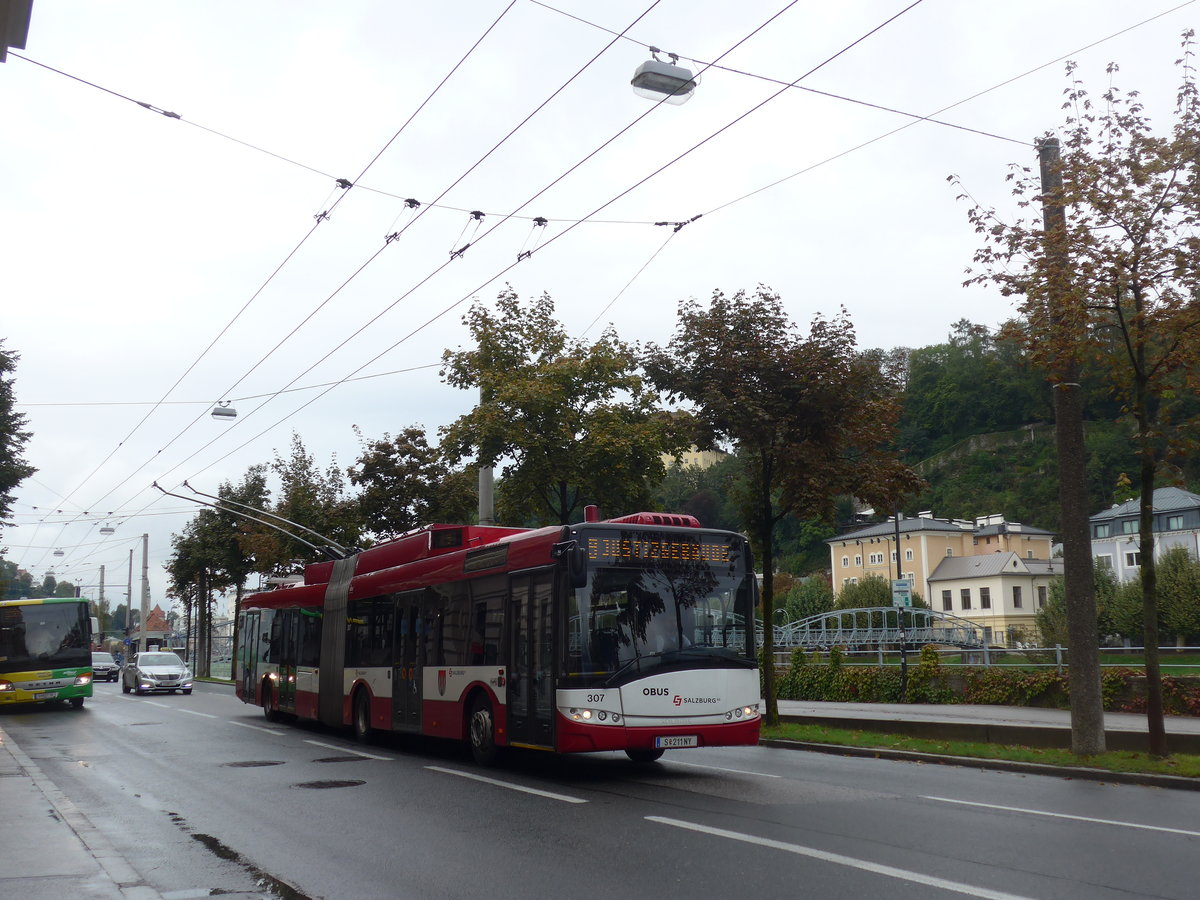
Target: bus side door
[
  {"x": 531, "y": 660},
  {"x": 249, "y": 653},
  {"x": 406, "y": 670}
]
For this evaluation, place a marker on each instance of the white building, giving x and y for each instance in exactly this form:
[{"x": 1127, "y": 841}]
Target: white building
[{"x": 1115, "y": 532}]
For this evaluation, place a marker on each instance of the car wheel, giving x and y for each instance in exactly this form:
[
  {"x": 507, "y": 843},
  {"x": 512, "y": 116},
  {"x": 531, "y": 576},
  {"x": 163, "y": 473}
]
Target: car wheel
[
  {"x": 481, "y": 732},
  {"x": 137, "y": 690},
  {"x": 124, "y": 688},
  {"x": 644, "y": 754},
  {"x": 187, "y": 690},
  {"x": 362, "y": 717}
]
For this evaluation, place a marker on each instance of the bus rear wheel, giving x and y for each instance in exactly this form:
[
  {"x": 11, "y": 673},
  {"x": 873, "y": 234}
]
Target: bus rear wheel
[
  {"x": 644, "y": 754},
  {"x": 362, "y": 717},
  {"x": 481, "y": 732}
]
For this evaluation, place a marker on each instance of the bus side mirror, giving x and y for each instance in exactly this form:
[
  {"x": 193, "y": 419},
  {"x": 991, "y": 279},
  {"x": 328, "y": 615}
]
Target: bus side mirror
[{"x": 576, "y": 562}]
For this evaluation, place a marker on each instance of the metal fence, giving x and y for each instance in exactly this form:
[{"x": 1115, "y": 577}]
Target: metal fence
[{"x": 1057, "y": 657}]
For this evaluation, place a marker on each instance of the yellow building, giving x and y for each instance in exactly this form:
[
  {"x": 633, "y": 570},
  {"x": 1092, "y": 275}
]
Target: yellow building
[
  {"x": 702, "y": 459},
  {"x": 924, "y": 544}
]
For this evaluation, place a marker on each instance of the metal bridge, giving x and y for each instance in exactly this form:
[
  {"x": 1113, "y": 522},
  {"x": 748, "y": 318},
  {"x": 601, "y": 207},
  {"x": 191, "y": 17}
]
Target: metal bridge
[{"x": 873, "y": 626}]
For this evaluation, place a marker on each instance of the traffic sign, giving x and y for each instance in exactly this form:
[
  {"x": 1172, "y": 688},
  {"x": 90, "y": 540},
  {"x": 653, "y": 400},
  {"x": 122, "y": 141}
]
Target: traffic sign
[{"x": 901, "y": 592}]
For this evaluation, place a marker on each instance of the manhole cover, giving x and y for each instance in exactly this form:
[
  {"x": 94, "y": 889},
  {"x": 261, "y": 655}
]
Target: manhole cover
[
  {"x": 253, "y": 763},
  {"x": 322, "y": 785},
  {"x": 341, "y": 759}
]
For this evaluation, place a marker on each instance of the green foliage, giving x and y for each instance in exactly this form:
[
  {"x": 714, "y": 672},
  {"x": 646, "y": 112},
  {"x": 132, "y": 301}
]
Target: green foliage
[
  {"x": 13, "y": 435},
  {"x": 404, "y": 483},
  {"x": 808, "y": 597},
  {"x": 572, "y": 423}
]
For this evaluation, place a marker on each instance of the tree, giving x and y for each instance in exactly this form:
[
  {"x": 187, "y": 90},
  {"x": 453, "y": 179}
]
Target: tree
[
  {"x": 809, "y": 416},
  {"x": 13, "y": 436},
  {"x": 404, "y": 483},
  {"x": 809, "y": 597},
  {"x": 574, "y": 423},
  {"x": 1128, "y": 301}
]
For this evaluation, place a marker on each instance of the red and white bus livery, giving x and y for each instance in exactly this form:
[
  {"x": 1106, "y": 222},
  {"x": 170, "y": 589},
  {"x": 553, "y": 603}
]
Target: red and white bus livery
[{"x": 632, "y": 634}]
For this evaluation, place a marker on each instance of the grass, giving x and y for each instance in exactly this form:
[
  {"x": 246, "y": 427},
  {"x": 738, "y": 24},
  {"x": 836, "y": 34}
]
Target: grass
[{"x": 1184, "y": 765}]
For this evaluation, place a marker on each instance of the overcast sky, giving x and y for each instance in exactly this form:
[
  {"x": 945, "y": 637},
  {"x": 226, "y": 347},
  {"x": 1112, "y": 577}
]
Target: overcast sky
[{"x": 154, "y": 266}]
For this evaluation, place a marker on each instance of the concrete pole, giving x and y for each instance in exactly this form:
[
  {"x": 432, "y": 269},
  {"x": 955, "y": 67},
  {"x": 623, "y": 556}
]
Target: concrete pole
[
  {"x": 145, "y": 586},
  {"x": 487, "y": 502}
]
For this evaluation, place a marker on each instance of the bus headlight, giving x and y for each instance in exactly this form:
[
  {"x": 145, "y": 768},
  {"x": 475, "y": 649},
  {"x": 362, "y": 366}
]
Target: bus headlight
[
  {"x": 83, "y": 679},
  {"x": 591, "y": 716},
  {"x": 742, "y": 712},
  {"x": 6, "y": 686}
]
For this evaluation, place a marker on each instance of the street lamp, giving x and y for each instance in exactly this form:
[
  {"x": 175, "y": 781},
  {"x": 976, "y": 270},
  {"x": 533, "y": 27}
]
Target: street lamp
[
  {"x": 224, "y": 410},
  {"x": 663, "y": 81}
]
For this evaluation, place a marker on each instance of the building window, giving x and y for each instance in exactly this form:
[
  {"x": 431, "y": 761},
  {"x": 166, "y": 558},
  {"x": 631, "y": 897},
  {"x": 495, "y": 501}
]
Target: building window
[
  {"x": 966, "y": 598},
  {"x": 1133, "y": 558},
  {"x": 949, "y": 551},
  {"x": 893, "y": 556},
  {"x": 1016, "y": 596},
  {"x": 1041, "y": 596},
  {"x": 947, "y": 601},
  {"x": 1102, "y": 530},
  {"x": 1029, "y": 554},
  {"x": 845, "y": 562},
  {"x": 858, "y": 560},
  {"x": 1129, "y": 526},
  {"x": 985, "y": 598},
  {"x": 1174, "y": 523},
  {"x": 877, "y": 559},
  {"x": 908, "y": 557},
  {"x": 1104, "y": 560}
]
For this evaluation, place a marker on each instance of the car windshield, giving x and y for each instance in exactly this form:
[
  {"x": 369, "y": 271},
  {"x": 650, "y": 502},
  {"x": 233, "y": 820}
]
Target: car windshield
[
  {"x": 103, "y": 658},
  {"x": 159, "y": 659}
]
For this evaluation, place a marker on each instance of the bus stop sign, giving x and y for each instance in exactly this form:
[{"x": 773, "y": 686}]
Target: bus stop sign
[{"x": 901, "y": 592}]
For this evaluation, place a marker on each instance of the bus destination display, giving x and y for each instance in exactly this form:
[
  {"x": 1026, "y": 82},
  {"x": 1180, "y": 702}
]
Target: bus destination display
[{"x": 646, "y": 549}]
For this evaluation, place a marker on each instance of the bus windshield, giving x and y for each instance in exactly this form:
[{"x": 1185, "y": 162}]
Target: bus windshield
[
  {"x": 44, "y": 636},
  {"x": 658, "y": 615}
]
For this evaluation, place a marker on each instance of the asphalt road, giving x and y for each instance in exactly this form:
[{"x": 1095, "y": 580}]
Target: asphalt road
[{"x": 202, "y": 796}]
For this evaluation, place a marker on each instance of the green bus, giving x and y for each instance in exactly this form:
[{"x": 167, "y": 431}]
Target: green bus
[{"x": 45, "y": 651}]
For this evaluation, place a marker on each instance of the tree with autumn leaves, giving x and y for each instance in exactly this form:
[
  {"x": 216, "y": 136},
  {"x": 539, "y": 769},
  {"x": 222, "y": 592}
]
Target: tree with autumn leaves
[
  {"x": 1117, "y": 285},
  {"x": 810, "y": 415}
]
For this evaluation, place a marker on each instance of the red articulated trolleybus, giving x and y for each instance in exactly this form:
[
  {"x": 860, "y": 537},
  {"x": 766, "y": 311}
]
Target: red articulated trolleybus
[{"x": 632, "y": 634}]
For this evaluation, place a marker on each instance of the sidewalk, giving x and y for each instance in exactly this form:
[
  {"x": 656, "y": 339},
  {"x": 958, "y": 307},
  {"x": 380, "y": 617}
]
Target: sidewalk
[
  {"x": 51, "y": 849},
  {"x": 1029, "y": 726}
]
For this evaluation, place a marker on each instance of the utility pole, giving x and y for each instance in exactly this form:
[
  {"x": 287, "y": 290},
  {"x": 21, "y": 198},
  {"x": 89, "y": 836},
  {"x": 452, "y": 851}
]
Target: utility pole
[
  {"x": 900, "y": 617},
  {"x": 145, "y": 587},
  {"x": 1083, "y": 633}
]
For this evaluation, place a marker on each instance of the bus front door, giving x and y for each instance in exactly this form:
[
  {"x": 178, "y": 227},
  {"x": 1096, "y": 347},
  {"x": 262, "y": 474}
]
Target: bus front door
[{"x": 531, "y": 659}]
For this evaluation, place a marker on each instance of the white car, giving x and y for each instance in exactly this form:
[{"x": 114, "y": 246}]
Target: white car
[{"x": 155, "y": 670}]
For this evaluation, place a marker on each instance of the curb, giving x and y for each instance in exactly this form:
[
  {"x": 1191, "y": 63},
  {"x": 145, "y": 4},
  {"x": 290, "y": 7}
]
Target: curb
[{"x": 1146, "y": 779}]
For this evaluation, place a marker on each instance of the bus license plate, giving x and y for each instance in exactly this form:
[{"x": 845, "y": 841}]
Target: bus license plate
[
  {"x": 48, "y": 695},
  {"x": 667, "y": 743}
]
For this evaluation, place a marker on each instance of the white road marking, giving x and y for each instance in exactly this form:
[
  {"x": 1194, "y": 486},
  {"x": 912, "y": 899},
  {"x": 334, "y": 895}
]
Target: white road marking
[
  {"x": 507, "y": 784},
  {"x": 1038, "y": 812},
  {"x": 156, "y": 703},
  {"x": 192, "y": 712},
  {"x": 840, "y": 860},
  {"x": 348, "y": 750},
  {"x": 679, "y": 762},
  {"x": 258, "y": 728}
]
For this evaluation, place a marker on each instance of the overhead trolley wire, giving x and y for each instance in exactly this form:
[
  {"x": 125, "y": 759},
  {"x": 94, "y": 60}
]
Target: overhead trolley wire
[
  {"x": 572, "y": 226},
  {"x": 321, "y": 218}
]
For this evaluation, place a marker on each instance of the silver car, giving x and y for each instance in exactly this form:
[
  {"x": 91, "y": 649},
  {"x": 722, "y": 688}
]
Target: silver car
[
  {"x": 155, "y": 670},
  {"x": 104, "y": 667}
]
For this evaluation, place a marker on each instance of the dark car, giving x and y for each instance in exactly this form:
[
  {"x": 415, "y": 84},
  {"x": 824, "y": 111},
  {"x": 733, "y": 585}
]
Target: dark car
[
  {"x": 155, "y": 670},
  {"x": 104, "y": 667}
]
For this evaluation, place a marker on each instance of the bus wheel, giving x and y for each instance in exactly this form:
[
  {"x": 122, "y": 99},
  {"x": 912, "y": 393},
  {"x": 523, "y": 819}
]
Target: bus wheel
[
  {"x": 76, "y": 702},
  {"x": 270, "y": 710},
  {"x": 361, "y": 721},
  {"x": 481, "y": 732},
  {"x": 643, "y": 754}
]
